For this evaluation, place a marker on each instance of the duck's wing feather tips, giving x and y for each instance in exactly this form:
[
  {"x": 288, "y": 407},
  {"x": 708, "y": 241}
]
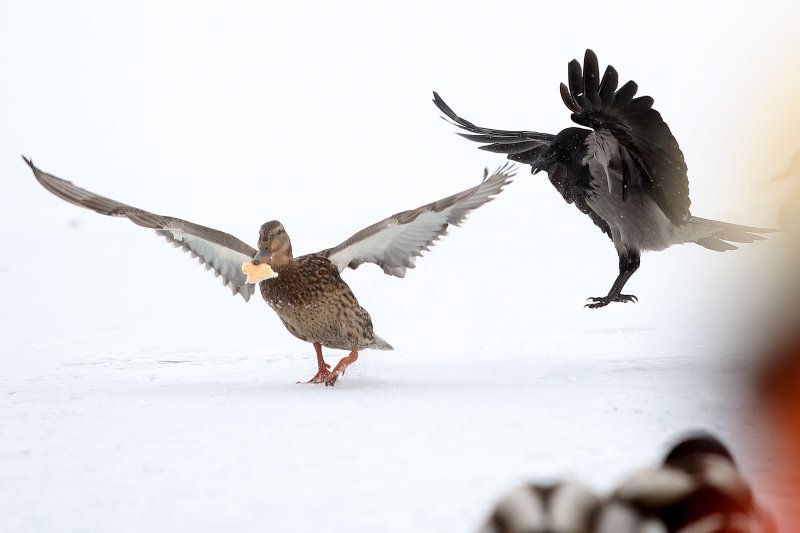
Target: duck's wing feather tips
[
  {"x": 215, "y": 249},
  {"x": 396, "y": 242}
]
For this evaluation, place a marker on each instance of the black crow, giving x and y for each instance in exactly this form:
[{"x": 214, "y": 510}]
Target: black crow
[{"x": 626, "y": 173}]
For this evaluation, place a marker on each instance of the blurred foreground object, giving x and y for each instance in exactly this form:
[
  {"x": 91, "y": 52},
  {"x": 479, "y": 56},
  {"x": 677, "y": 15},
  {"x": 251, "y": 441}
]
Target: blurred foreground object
[
  {"x": 779, "y": 381},
  {"x": 779, "y": 388},
  {"x": 697, "y": 489}
]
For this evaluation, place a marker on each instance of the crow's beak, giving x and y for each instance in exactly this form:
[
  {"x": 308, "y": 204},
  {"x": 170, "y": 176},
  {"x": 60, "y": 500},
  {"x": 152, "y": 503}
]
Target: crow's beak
[{"x": 543, "y": 162}]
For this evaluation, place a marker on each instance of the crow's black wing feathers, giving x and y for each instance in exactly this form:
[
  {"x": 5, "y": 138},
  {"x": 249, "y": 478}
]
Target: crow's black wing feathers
[
  {"x": 521, "y": 146},
  {"x": 657, "y": 160},
  {"x": 565, "y": 183},
  {"x": 524, "y": 147}
]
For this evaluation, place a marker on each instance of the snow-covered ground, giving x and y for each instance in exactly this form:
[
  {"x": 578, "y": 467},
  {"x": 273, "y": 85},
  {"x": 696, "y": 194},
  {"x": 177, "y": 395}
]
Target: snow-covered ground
[{"x": 137, "y": 395}]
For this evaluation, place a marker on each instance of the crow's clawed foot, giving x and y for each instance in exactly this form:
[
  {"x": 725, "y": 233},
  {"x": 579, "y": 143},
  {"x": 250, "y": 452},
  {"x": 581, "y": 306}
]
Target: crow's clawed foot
[{"x": 602, "y": 301}]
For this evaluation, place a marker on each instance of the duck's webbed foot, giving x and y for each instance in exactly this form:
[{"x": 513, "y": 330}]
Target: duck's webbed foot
[
  {"x": 340, "y": 368},
  {"x": 602, "y": 301},
  {"x": 324, "y": 368},
  {"x": 321, "y": 376}
]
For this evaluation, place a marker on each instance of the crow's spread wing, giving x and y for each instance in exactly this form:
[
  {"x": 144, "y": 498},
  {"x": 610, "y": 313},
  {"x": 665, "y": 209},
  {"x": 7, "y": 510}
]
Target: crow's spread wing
[
  {"x": 215, "y": 249},
  {"x": 521, "y": 146},
  {"x": 652, "y": 158},
  {"x": 396, "y": 242},
  {"x": 524, "y": 147}
]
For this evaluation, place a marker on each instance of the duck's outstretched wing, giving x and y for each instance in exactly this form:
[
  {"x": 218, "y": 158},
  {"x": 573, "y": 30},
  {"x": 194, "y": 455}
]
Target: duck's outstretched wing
[
  {"x": 653, "y": 159},
  {"x": 395, "y": 243},
  {"x": 215, "y": 249},
  {"x": 521, "y": 146}
]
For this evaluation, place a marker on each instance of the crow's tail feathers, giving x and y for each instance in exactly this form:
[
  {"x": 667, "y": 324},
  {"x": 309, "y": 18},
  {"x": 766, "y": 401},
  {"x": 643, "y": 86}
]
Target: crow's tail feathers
[{"x": 718, "y": 236}]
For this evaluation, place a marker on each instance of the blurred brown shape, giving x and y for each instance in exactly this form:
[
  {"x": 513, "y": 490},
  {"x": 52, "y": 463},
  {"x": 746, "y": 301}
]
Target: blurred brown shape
[
  {"x": 778, "y": 383},
  {"x": 779, "y": 387}
]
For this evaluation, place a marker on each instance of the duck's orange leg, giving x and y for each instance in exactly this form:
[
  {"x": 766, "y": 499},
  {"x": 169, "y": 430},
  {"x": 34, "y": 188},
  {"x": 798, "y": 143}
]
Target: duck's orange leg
[
  {"x": 340, "y": 367},
  {"x": 324, "y": 374}
]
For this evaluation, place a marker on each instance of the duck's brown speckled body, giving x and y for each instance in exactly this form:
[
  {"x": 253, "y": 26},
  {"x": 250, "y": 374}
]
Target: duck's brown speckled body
[{"x": 316, "y": 305}]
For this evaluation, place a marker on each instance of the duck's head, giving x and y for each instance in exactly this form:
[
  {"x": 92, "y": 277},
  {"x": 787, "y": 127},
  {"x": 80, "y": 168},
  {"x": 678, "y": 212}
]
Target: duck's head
[{"x": 274, "y": 246}]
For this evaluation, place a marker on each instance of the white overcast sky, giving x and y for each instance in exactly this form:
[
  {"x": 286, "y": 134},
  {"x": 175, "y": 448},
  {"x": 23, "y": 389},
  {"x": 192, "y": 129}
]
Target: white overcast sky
[
  {"x": 234, "y": 113},
  {"x": 230, "y": 114}
]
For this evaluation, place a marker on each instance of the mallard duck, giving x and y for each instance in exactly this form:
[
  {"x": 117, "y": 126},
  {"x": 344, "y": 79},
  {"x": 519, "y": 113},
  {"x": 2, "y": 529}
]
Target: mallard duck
[
  {"x": 307, "y": 292},
  {"x": 626, "y": 173}
]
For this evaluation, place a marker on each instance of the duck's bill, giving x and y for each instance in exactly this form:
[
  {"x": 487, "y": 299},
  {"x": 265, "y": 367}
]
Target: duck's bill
[{"x": 259, "y": 272}]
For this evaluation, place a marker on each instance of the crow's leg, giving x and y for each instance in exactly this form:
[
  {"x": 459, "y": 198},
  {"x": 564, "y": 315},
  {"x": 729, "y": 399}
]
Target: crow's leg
[
  {"x": 324, "y": 374},
  {"x": 340, "y": 367},
  {"x": 628, "y": 263}
]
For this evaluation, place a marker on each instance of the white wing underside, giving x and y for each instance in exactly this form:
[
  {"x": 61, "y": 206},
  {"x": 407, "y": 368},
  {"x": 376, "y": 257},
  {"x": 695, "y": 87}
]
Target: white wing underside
[
  {"x": 396, "y": 247},
  {"x": 225, "y": 263},
  {"x": 395, "y": 243}
]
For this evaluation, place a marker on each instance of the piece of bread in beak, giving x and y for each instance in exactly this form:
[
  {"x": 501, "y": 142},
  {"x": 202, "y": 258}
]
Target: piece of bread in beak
[{"x": 259, "y": 272}]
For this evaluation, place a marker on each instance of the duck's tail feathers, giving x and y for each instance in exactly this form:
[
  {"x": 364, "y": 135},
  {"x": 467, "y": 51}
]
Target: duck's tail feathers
[
  {"x": 718, "y": 236},
  {"x": 380, "y": 344}
]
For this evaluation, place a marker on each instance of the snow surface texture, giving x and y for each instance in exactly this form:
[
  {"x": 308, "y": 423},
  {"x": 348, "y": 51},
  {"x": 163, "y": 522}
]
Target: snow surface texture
[
  {"x": 137, "y": 395},
  {"x": 144, "y": 402}
]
